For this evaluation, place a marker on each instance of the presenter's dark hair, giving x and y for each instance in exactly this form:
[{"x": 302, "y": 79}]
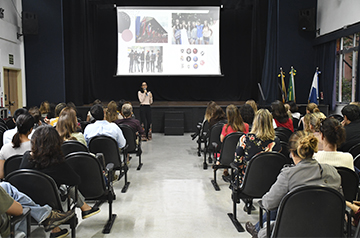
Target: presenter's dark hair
[
  {"x": 24, "y": 124},
  {"x": 352, "y": 112},
  {"x": 46, "y": 147},
  {"x": 97, "y": 112}
]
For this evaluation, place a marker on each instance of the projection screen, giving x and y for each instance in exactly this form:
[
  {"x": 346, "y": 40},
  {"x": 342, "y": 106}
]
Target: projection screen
[{"x": 168, "y": 41}]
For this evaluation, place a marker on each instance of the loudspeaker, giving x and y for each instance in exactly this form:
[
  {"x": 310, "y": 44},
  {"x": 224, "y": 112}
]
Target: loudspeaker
[
  {"x": 307, "y": 19},
  {"x": 30, "y": 23}
]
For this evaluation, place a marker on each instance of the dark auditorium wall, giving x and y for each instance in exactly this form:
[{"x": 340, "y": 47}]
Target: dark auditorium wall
[
  {"x": 44, "y": 54},
  {"x": 73, "y": 57},
  {"x": 296, "y": 47}
]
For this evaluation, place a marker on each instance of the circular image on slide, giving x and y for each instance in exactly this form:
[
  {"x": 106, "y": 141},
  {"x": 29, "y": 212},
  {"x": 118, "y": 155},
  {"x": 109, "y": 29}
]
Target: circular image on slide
[
  {"x": 188, "y": 51},
  {"x": 196, "y": 66},
  {"x": 127, "y": 35},
  {"x": 182, "y": 50},
  {"x": 182, "y": 58},
  {"x": 202, "y": 62},
  {"x": 188, "y": 59},
  {"x": 195, "y": 58},
  {"x": 195, "y": 51},
  {"x": 123, "y": 22},
  {"x": 202, "y": 53}
]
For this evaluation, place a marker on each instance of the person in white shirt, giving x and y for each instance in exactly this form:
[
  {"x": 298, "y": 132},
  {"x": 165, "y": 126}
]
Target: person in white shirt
[
  {"x": 20, "y": 142},
  {"x": 145, "y": 99},
  {"x": 8, "y": 134},
  {"x": 332, "y": 134},
  {"x": 102, "y": 127}
]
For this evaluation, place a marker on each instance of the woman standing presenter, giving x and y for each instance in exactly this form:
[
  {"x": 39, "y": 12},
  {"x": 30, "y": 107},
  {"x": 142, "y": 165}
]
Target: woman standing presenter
[{"x": 145, "y": 99}]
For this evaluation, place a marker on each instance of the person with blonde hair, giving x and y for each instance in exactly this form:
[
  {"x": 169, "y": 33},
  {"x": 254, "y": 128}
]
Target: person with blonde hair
[
  {"x": 260, "y": 139},
  {"x": 44, "y": 109},
  {"x": 68, "y": 125},
  {"x": 310, "y": 108},
  {"x": 306, "y": 172},
  {"x": 312, "y": 125},
  {"x": 252, "y": 103},
  {"x": 111, "y": 112},
  {"x": 332, "y": 135},
  {"x": 209, "y": 110}
]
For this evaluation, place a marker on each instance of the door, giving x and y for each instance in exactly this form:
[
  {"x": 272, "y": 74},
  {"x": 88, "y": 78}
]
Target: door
[{"x": 11, "y": 89}]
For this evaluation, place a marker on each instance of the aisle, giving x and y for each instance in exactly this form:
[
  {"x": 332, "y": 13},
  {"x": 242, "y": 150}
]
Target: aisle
[{"x": 171, "y": 196}]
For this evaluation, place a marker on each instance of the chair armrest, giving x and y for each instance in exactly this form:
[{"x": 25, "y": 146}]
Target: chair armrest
[
  {"x": 16, "y": 219},
  {"x": 261, "y": 206},
  {"x": 109, "y": 167},
  {"x": 214, "y": 145},
  {"x": 234, "y": 167},
  {"x": 125, "y": 147},
  {"x": 65, "y": 191},
  {"x": 101, "y": 158}
]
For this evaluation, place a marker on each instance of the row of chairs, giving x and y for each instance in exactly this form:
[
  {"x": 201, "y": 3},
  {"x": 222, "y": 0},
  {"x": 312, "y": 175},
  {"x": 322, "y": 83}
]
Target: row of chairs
[{"x": 94, "y": 186}]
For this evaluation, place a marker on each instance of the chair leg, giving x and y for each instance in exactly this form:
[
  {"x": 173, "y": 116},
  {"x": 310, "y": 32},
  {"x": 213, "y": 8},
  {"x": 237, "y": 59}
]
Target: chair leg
[
  {"x": 205, "y": 165},
  {"x": 73, "y": 224},
  {"x": 126, "y": 185},
  {"x": 214, "y": 183},
  {"x": 233, "y": 217},
  {"x": 140, "y": 164},
  {"x": 112, "y": 217}
]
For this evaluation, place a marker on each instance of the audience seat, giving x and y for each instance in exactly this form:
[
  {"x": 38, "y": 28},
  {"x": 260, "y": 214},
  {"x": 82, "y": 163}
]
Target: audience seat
[
  {"x": 93, "y": 185},
  {"x": 71, "y": 146},
  {"x": 131, "y": 141},
  {"x": 203, "y": 136},
  {"x": 16, "y": 219},
  {"x": 213, "y": 139},
  {"x": 349, "y": 183},
  {"x": 355, "y": 150},
  {"x": 12, "y": 164},
  {"x": 42, "y": 189},
  {"x": 297, "y": 217},
  {"x": 110, "y": 149},
  {"x": 227, "y": 154},
  {"x": 261, "y": 173}
]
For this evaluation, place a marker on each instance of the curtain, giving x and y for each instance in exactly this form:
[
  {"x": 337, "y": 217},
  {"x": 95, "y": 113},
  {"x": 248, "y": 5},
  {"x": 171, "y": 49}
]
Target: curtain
[
  {"x": 357, "y": 93},
  {"x": 325, "y": 59},
  {"x": 269, "y": 80}
]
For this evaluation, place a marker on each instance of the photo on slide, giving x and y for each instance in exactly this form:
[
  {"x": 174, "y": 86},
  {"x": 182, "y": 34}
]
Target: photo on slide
[
  {"x": 192, "y": 28},
  {"x": 151, "y": 30},
  {"x": 145, "y": 59}
]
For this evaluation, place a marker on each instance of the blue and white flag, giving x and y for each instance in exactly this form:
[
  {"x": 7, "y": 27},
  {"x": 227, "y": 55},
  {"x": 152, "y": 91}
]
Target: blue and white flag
[{"x": 314, "y": 90}]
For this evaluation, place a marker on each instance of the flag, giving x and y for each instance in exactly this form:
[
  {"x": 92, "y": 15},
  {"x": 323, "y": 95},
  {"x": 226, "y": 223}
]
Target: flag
[
  {"x": 283, "y": 86},
  {"x": 291, "y": 88},
  {"x": 314, "y": 90}
]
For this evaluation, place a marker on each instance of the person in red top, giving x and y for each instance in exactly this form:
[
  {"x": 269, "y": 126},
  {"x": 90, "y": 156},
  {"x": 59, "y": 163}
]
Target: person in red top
[
  {"x": 281, "y": 118},
  {"x": 235, "y": 122}
]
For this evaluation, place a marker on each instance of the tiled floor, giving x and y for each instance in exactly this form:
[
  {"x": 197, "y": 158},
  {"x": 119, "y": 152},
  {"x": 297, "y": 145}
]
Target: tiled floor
[{"x": 171, "y": 196}]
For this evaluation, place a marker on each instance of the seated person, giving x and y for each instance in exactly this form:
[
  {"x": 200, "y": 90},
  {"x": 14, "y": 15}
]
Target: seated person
[
  {"x": 127, "y": 112},
  {"x": 111, "y": 112},
  {"x": 310, "y": 108},
  {"x": 67, "y": 126},
  {"x": 46, "y": 156},
  {"x": 20, "y": 142},
  {"x": 260, "y": 139},
  {"x": 12, "y": 202},
  {"x": 101, "y": 127},
  {"x": 35, "y": 112},
  {"x": 312, "y": 124},
  {"x": 306, "y": 172},
  {"x": 218, "y": 115},
  {"x": 281, "y": 117},
  {"x": 9, "y": 134},
  {"x": 58, "y": 109},
  {"x": 247, "y": 113},
  {"x": 351, "y": 124},
  {"x": 333, "y": 135}
]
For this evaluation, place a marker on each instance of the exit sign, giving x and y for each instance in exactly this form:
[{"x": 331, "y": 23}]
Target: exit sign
[{"x": 11, "y": 59}]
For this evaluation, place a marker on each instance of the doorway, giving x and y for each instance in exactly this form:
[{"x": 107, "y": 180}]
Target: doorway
[{"x": 12, "y": 89}]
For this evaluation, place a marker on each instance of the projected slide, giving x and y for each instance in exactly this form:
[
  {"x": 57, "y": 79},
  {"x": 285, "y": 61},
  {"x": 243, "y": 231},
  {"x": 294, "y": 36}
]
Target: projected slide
[{"x": 168, "y": 41}]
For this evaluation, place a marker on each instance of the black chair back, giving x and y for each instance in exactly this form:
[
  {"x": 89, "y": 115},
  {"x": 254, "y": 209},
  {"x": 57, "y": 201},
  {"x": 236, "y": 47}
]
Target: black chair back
[
  {"x": 284, "y": 130},
  {"x": 357, "y": 161},
  {"x": 261, "y": 173},
  {"x": 282, "y": 136},
  {"x": 228, "y": 148},
  {"x": 311, "y": 211},
  {"x": 130, "y": 136},
  {"x": 214, "y": 137},
  {"x": 3, "y": 128},
  {"x": 40, "y": 187},
  {"x": 89, "y": 169},
  {"x": 72, "y": 146},
  {"x": 295, "y": 123},
  {"x": 108, "y": 147},
  {"x": 337, "y": 117},
  {"x": 355, "y": 150},
  {"x": 349, "y": 183},
  {"x": 285, "y": 151},
  {"x": 205, "y": 128},
  {"x": 12, "y": 164}
]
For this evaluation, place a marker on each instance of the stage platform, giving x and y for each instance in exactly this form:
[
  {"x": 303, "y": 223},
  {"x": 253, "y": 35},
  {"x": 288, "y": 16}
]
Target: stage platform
[{"x": 194, "y": 111}]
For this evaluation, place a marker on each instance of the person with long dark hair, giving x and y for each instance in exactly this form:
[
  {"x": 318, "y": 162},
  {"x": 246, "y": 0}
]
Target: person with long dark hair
[
  {"x": 46, "y": 156},
  {"x": 281, "y": 118},
  {"x": 145, "y": 99},
  {"x": 20, "y": 142}
]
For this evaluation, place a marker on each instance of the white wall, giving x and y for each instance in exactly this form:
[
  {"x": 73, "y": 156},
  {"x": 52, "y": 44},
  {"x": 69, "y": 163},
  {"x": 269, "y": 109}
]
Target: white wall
[
  {"x": 333, "y": 15},
  {"x": 10, "y": 25}
]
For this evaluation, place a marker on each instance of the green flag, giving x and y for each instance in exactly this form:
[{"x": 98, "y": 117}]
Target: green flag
[{"x": 291, "y": 88}]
